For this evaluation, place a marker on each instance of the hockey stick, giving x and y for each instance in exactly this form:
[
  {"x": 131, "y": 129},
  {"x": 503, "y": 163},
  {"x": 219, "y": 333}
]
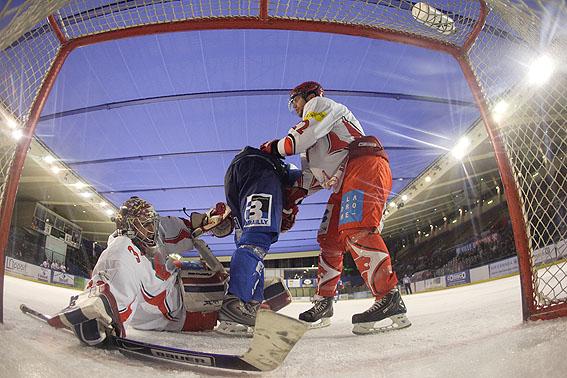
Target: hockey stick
[{"x": 274, "y": 337}]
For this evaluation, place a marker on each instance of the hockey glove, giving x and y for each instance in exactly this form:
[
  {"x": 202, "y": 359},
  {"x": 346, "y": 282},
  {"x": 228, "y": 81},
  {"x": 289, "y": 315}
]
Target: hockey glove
[
  {"x": 292, "y": 197},
  {"x": 288, "y": 218},
  {"x": 271, "y": 147},
  {"x": 213, "y": 218}
]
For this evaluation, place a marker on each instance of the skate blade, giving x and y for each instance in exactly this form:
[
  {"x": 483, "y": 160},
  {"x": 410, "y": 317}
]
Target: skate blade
[
  {"x": 321, "y": 323},
  {"x": 234, "y": 329},
  {"x": 398, "y": 322}
]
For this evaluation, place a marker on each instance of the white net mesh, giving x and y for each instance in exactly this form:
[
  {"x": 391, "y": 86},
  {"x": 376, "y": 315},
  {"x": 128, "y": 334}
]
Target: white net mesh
[
  {"x": 28, "y": 50},
  {"x": 532, "y": 124}
]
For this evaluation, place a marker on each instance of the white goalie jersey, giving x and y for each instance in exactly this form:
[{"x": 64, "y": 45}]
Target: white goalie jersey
[
  {"x": 149, "y": 297},
  {"x": 144, "y": 300}
]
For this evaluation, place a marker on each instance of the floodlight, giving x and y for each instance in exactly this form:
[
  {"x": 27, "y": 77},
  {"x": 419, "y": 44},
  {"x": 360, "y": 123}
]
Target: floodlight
[
  {"x": 17, "y": 134},
  {"x": 461, "y": 148},
  {"x": 540, "y": 70}
]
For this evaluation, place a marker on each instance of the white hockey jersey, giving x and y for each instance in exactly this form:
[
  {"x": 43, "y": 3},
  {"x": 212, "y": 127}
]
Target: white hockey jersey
[
  {"x": 148, "y": 298},
  {"x": 321, "y": 138}
]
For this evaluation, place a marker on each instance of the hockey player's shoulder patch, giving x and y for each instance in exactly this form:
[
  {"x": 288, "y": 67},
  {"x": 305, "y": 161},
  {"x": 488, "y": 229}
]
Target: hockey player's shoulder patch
[{"x": 258, "y": 210}]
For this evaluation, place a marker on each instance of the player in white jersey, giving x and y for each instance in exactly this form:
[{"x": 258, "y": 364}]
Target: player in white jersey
[
  {"x": 336, "y": 155},
  {"x": 126, "y": 290}
]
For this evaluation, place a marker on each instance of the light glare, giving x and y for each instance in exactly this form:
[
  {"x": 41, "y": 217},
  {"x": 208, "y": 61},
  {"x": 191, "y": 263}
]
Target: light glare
[
  {"x": 17, "y": 134},
  {"x": 12, "y": 124},
  {"x": 540, "y": 70},
  {"x": 48, "y": 159},
  {"x": 461, "y": 148},
  {"x": 500, "y": 110}
]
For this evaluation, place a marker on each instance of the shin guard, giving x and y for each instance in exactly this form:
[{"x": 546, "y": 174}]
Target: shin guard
[
  {"x": 247, "y": 273},
  {"x": 373, "y": 261}
]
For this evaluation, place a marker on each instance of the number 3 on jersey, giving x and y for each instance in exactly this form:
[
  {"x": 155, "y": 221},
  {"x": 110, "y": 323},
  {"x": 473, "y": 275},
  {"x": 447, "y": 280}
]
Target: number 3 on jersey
[{"x": 258, "y": 210}]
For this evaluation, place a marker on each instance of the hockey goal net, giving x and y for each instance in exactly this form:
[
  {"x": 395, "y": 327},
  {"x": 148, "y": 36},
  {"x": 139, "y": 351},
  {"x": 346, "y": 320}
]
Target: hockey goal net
[{"x": 494, "y": 42}]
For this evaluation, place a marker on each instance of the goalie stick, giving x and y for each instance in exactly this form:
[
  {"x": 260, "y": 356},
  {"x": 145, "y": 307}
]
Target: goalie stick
[{"x": 275, "y": 335}]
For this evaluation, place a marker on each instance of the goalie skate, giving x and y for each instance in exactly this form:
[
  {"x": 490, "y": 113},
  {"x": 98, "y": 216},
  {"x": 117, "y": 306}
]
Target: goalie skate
[{"x": 391, "y": 307}]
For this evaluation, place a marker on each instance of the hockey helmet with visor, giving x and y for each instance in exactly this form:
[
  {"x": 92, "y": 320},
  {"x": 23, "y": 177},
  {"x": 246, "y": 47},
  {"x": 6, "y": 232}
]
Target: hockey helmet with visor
[{"x": 304, "y": 90}]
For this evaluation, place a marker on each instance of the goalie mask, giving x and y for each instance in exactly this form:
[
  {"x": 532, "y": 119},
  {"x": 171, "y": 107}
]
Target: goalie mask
[{"x": 138, "y": 220}]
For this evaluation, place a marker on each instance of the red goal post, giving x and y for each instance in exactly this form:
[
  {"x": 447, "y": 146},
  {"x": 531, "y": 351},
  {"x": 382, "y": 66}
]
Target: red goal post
[{"x": 493, "y": 41}]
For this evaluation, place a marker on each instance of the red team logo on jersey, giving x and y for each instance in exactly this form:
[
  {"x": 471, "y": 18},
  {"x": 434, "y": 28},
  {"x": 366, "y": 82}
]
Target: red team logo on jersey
[{"x": 160, "y": 302}]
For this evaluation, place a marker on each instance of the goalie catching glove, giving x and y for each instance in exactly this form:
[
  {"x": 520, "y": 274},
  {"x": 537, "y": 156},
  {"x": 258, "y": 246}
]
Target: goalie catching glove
[{"x": 216, "y": 220}]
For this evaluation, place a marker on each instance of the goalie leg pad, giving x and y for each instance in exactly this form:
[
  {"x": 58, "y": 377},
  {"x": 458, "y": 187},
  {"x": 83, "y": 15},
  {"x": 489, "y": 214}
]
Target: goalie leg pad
[
  {"x": 91, "y": 332},
  {"x": 200, "y": 321},
  {"x": 92, "y": 315},
  {"x": 203, "y": 290}
]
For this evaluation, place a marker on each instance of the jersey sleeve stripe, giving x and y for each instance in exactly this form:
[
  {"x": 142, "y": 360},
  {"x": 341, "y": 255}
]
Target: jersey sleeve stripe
[{"x": 288, "y": 145}]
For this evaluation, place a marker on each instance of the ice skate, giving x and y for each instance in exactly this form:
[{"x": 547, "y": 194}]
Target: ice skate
[
  {"x": 320, "y": 314},
  {"x": 390, "y": 306},
  {"x": 237, "y": 318}
]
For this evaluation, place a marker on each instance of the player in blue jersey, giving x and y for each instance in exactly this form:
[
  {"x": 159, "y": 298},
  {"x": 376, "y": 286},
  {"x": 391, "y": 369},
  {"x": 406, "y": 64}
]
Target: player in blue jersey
[{"x": 258, "y": 191}]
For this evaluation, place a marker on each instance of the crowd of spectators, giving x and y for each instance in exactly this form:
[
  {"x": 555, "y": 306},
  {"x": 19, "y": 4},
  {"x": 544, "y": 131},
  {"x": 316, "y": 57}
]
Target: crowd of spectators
[
  {"x": 496, "y": 246},
  {"x": 458, "y": 249},
  {"x": 29, "y": 246}
]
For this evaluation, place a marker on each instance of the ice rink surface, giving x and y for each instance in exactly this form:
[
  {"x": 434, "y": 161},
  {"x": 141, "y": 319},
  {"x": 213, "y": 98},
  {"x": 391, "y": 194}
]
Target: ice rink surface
[{"x": 471, "y": 331}]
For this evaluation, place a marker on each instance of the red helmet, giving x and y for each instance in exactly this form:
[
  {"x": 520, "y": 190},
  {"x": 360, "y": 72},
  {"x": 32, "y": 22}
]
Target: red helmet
[{"x": 304, "y": 90}]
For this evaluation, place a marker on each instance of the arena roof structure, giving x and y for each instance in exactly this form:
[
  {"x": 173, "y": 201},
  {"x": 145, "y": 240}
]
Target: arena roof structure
[{"x": 161, "y": 116}]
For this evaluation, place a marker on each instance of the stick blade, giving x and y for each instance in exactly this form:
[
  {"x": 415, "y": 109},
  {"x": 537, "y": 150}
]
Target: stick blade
[{"x": 274, "y": 337}]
